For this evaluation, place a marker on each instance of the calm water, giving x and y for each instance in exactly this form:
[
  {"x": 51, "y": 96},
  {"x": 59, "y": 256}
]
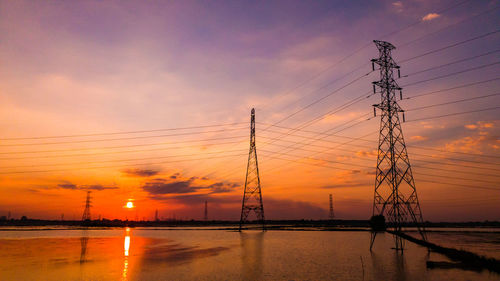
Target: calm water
[
  {"x": 485, "y": 242},
  {"x": 163, "y": 254}
]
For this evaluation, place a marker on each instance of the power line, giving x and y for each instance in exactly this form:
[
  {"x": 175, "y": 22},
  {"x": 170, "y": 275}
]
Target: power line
[
  {"x": 446, "y": 27},
  {"x": 327, "y": 84},
  {"x": 444, "y": 10},
  {"x": 308, "y": 123},
  {"x": 275, "y": 139},
  {"x": 452, "y": 102},
  {"x": 108, "y": 153},
  {"x": 229, "y": 124},
  {"x": 119, "y": 146},
  {"x": 122, "y": 133},
  {"x": 326, "y": 70},
  {"x": 115, "y": 166},
  {"x": 118, "y": 160},
  {"x": 323, "y": 152},
  {"x": 454, "y": 88},
  {"x": 458, "y": 178},
  {"x": 451, "y": 45},
  {"x": 366, "y": 140},
  {"x": 322, "y": 98},
  {"x": 128, "y": 138},
  {"x": 419, "y": 154},
  {"x": 460, "y": 185},
  {"x": 366, "y": 159},
  {"x": 370, "y": 167},
  {"x": 454, "y": 114},
  {"x": 452, "y": 74},
  {"x": 451, "y": 63},
  {"x": 458, "y": 152},
  {"x": 325, "y": 166}
]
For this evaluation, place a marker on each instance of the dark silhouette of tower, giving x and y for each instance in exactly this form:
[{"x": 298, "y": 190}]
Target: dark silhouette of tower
[
  {"x": 395, "y": 194},
  {"x": 84, "y": 240},
  {"x": 205, "y": 216},
  {"x": 156, "y": 215},
  {"x": 332, "y": 216},
  {"x": 252, "y": 195},
  {"x": 86, "y": 212}
]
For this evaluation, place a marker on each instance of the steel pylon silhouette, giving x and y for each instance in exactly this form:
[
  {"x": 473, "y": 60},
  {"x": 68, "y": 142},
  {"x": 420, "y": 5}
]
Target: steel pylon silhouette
[
  {"x": 332, "y": 215},
  {"x": 252, "y": 195},
  {"x": 205, "y": 214},
  {"x": 395, "y": 194},
  {"x": 86, "y": 212}
]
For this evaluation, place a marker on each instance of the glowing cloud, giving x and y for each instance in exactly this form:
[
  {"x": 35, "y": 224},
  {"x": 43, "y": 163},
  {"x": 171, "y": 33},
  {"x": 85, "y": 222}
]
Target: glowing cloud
[
  {"x": 430, "y": 16},
  {"x": 398, "y": 5}
]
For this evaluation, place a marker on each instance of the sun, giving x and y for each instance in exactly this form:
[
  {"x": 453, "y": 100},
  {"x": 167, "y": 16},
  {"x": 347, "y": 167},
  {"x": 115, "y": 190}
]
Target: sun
[{"x": 129, "y": 205}]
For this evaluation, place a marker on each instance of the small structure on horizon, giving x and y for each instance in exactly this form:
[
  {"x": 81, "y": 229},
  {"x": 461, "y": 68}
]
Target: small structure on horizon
[
  {"x": 205, "y": 217},
  {"x": 86, "y": 213},
  {"x": 332, "y": 215}
]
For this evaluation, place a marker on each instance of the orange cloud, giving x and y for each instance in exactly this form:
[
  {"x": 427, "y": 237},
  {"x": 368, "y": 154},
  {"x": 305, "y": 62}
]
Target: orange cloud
[
  {"x": 467, "y": 144},
  {"x": 480, "y": 125},
  {"x": 418, "y": 138},
  {"x": 471, "y": 126},
  {"x": 430, "y": 16}
]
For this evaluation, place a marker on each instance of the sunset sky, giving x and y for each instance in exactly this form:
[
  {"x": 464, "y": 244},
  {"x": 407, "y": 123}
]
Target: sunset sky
[{"x": 149, "y": 102}]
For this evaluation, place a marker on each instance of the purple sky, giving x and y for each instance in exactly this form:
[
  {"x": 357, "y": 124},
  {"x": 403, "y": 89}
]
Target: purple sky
[{"x": 77, "y": 67}]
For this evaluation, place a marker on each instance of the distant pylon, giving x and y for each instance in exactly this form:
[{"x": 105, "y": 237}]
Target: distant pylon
[
  {"x": 252, "y": 195},
  {"x": 156, "y": 215},
  {"x": 395, "y": 193},
  {"x": 332, "y": 215},
  {"x": 205, "y": 217},
  {"x": 86, "y": 212}
]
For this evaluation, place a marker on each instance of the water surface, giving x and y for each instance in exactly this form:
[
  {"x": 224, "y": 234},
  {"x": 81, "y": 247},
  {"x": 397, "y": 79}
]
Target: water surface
[{"x": 173, "y": 254}]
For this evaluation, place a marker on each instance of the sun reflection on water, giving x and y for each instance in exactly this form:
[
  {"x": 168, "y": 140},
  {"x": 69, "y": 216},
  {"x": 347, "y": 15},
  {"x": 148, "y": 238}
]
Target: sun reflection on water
[{"x": 126, "y": 247}]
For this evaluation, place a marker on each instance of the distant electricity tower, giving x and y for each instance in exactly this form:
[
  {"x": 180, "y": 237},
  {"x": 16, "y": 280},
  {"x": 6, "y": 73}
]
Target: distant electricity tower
[
  {"x": 252, "y": 195},
  {"x": 205, "y": 215},
  {"x": 332, "y": 215},
  {"x": 86, "y": 212},
  {"x": 395, "y": 193}
]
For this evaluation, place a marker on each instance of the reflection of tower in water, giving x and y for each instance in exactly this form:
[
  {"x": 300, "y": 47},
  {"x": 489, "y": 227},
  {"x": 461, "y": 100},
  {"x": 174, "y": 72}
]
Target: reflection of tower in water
[
  {"x": 126, "y": 251},
  {"x": 251, "y": 258},
  {"x": 84, "y": 239},
  {"x": 385, "y": 268}
]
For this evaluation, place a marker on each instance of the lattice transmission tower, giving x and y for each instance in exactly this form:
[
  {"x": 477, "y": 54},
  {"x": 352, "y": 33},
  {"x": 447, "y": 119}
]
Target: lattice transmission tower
[
  {"x": 86, "y": 212},
  {"x": 395, "y": 194},
  {"x": 252, "y": 195},
  {"x": 332, "y": 215},
  {"x": 205, "y": 214}
]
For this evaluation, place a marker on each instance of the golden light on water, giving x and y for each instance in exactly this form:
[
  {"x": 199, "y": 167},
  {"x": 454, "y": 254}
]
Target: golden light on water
[
  {"x": 126, "y": 248},
  {"x": 126, "y": 243}
]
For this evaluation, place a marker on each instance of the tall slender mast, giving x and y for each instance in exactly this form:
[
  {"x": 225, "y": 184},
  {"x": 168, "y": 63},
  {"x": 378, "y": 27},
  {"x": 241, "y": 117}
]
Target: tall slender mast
[{"x": 252, "y": 195}]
